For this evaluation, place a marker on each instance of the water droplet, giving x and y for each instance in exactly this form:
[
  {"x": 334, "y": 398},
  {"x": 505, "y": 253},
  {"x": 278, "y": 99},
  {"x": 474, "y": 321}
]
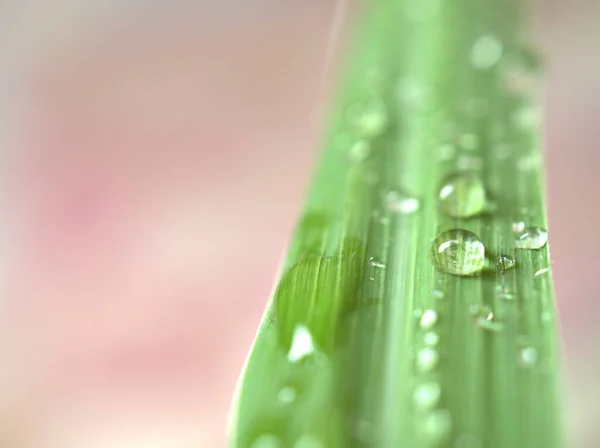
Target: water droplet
[
  {"x": 504, "y": 263},
  {"x": 446, "y": 151},
  {"x": 458, "y": 252},
  {"x": 302, "y": 344},
  {"x": 546, "y": 317},
  {"x": 286, "y": 395},
  {"x": 437, "y": 294},
  {"x": 437, "y": 425},
  {"x": 267, "y": 441},
  {"x": 528, "y": 357},
  {"x": 431, "y": 339},
  {"x": 484, "y": 317},
  {"x": 427, "y": 359},
  {"x": 428, "y": 319},
  {"x": 427, "y": 395},
  {"x": 532, "y": 238},
  {"x": 376, "y": 263},
  {"x": 486, "y": 52},
  {"x": 503, "y": 292},
  {"x": 462, "y": 195},
  {"x": 308, "y": 442},
  {"x": 541, "y": 272},
  {"x": 360, "y": 150},
  {"x": 370, "y": 120},
  {"x": 518, "y": 226},
  {"x": 470, "y": 142},
  {"x": 396, "y": 202}
]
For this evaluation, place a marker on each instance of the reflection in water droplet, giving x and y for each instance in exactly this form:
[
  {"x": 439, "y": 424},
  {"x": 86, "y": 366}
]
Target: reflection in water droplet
[
  {"x": 483, "y": 317},
  {"x": 470, "y": 142},
  {"x": 427, "y": 396},
  {"x": 467, "y": 441},
  {"x": 431, "y": 339},
  {"x": 308, "y": 442},
  {"x": 437, "y": 425},
  {"x": 532, "y": 238},
  {"x": 396, "y": 202},
  {"x": 302, "y": 344},
  {"x": 446, "y": 151},
  {"x": 428, "y": 319},
  {"x": 486, "y": 52},
  {"x": 541, "y": 272},
  {"x": 504, "y": 263},
  {"x": 360, "y": 150},
  {"x": 458, "y": 252},
  {"x": 370, "y": 120},
  {"x": 528, "y": 357},
  {"x": 286, "y": 395},
  {"x": 427, "y": 359},
  {"x": 518, "y": 226},
  {"x": 267, "y": 441},
  {"x": 462, "y": 195}
]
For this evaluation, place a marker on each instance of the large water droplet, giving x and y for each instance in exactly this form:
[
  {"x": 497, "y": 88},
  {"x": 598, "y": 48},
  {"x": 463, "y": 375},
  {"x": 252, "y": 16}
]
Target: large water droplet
[
  {"x": 504, "y": 263},
  {"x": 370, "y": 120},
  {"x": 267, "y": 441},
  {"x": 532, "y": 238},
  {"x": 397, "y": 202},
  {"x": 486, "y": 52},
  {"x": 427, "y": 359},
  {"x": 427, "y": 395},
  {"x": 462, "y": 195},
  {"x": 458, "y": 252},
  {"x": 428, "y": 319}
]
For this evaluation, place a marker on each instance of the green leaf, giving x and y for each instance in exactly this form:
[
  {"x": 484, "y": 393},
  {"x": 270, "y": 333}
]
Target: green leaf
[{"x": 415, "y": 306}]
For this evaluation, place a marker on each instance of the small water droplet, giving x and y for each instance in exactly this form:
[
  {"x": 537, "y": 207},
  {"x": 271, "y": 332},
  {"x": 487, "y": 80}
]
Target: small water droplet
[
  {"x": 428, "y": 319},
  {"x": 462, "y": 195},
  {"x": 437, "y": 425},
  {"x": 308, "y": 442},
  {"x": 431, "y": 339},
  {"x": 437, "y": 294},
  {"x": 446, "y": 151},
  {"x": 503, "y": 292},
  {"x": 427, "y": 395},
  {"x": 427, "y": 359},
  {"x": 483, "y": 317},
  {"x": 532, "y": 238},
  {"x": 470, "y": 142},
  {"x": 370, "y": 120},
  {"x": 302, "y": 344},
  {"x": 518, "y": 226},
  {"x": 528, "y": 357},
  {"x": 376, "y": 263},
  {"x": 486, "y": 52},
  {"x": 397, "y": 202},
  {"x": 458, "y": 252},
  {"x": 541, "y": 272},
  {"x": 286, "y": 395},
  {"x": 267, "y": 441},
  {"x": 360, "y": 150},
  {"x": 467, "y": 162},
  {"x": 504, "y": 263},
  {"x": 546, "y": 317}
]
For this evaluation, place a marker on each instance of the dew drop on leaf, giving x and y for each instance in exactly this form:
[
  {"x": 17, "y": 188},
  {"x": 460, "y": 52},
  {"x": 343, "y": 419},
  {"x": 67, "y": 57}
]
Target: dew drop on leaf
[
  {"x": 532, "y": 238},
  {"x": 504, "y": 263},
  {"x": 458, "y": 252},
  {"x": 427, "y": 395},
  {"x": 462, "y": 195},
  {"x": 427, "y": 359},
  {"x": 397, "y": 202},
  {"x": 431, "y": 339},
  {"x": 370, "y": 120},
  {"x": 287, "y": 395},
  {"x": 528, "y": 357},
  {"x": 486, "y": 52},
  {"x": 428, "y": 319},
  {"x": 437, "y": 425}
]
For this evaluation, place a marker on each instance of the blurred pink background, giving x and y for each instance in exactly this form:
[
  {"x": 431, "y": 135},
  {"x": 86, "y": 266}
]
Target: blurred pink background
[{"x": 154, "y": 160}]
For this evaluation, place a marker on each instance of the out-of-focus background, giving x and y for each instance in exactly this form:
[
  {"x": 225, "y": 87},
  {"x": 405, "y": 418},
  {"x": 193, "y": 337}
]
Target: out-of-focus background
[{"x": 154, "y": 157}]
